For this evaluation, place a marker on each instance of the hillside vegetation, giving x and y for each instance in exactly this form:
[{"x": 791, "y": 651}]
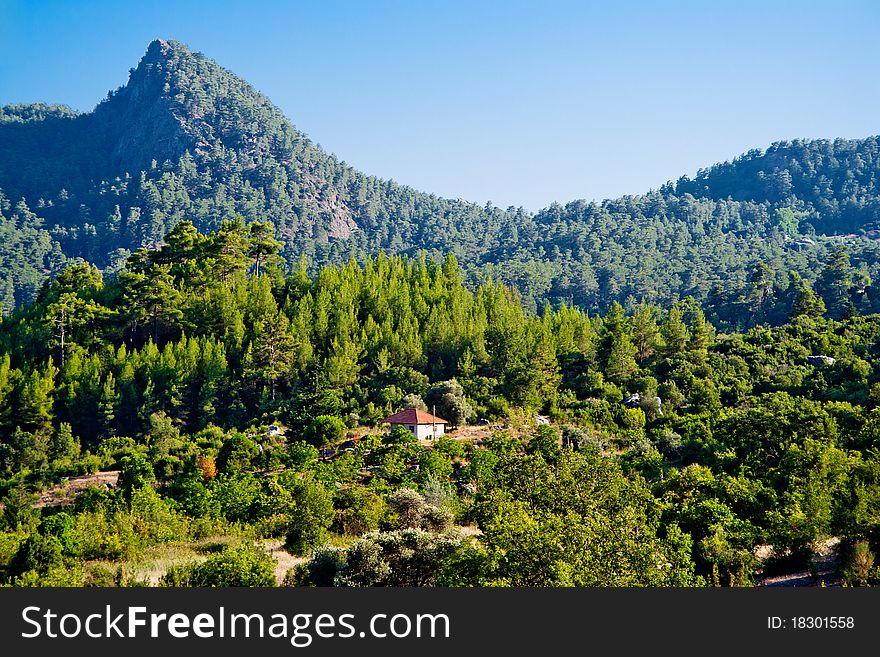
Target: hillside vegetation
[{"x": 173, "y": 372}]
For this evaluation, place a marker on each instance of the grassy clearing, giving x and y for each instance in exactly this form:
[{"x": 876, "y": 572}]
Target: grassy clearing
[{"x": 155, "y": 561}]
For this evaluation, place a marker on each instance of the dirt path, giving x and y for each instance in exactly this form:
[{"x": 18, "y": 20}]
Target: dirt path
[
  {"x": 825, "y": 560},
  {"x": 67, "y": 491},
  {"x": 286, "y": 561}
]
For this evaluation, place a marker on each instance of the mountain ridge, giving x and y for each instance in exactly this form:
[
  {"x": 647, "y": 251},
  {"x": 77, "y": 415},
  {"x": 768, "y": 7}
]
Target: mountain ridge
[{"x": 185, "y": 138}]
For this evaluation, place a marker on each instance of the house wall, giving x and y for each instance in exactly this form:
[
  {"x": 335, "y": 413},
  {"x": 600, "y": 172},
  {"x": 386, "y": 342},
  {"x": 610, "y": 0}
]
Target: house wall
[{"x": 423, "y": 431}]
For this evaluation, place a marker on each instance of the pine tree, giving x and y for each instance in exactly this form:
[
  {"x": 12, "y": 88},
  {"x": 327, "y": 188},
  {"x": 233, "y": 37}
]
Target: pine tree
[
  {"x": 645, "y": 332},
  {"x": 674, "y": 332},
  {"x": 835, "y": 281},
  {"x": 263, "y": 245},
  {"x": 700, "y": 335},
  {"x": 228, "y": 249},
  {"x": 8, "y": 378},
  {"x": 616, "y": 349},
  {"x": 150, "y": 296},
  {"x": 36, "y": 400},
  {"x": 807, "y": 303},
  {"x": 271, "y": 355},
  {"x": 107, "y": 404},
  {"x": 63, "y": 444}
]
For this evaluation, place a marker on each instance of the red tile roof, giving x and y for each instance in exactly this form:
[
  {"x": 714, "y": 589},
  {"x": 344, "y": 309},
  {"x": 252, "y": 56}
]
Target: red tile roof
[{"x": 414, "y": 416}]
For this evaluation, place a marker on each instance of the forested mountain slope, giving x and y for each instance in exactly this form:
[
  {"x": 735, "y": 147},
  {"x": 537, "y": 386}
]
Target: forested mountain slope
[
  {"x": 675, "y": 454},
  {"x": 834, "y": 184},
  {"x": 186, "y": 139}
]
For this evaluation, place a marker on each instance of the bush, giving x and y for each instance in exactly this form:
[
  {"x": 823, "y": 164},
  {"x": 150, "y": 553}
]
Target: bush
[
  {"x": 237, "y": 454},
  {"x": 195, "y": 498},
  {"x": 135, "y": 473},
  {"x": 358, "y": 510},
  {"x": 410, "y": 557},
  {"x": 583, "y": 438},
  {"x": 113, "y": 449},
  {"x": 38, "y": 553},
  {"x": 312, "y": 514},
  {"x": 237, "y": 495},
  {"x": 544, "y": 442},
  {"x": 321, "y": 570},
  {"x": 301, "y": 455},
  {"x": 411, "y": 511},
  {"x": 860, "y": 565},
  {"x": 449, "y": 401},
  {"x": 437, "y": 519},
  {"x": 62, "y": 526},
  {"x": 59, "y": 576},
  {"x": 409, "y": 508},
  {"x": 246, "y": 565}
]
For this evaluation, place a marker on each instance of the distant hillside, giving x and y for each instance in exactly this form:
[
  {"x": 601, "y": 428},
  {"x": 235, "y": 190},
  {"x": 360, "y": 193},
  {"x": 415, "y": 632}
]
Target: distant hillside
[
  {"x": 834, "y": 183},
  {"x": 186, "y": 139}
]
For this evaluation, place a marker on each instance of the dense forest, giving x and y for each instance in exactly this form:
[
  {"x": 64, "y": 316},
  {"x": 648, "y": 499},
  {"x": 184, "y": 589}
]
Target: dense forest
[
  {"x": 222, "y": 406},
  {"x": 186, "y": 139},
  {"x": 206, "y": 317}
]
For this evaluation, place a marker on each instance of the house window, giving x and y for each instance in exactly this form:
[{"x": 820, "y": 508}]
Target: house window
[{"x": 411, "y": 428}]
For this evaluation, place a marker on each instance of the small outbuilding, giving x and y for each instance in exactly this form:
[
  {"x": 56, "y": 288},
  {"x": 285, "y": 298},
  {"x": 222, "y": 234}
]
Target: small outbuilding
[{"x": 421, "y": 424}]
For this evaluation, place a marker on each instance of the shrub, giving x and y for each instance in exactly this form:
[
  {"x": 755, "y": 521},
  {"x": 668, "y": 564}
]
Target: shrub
[
  {"x": 409, "y": 508},
  {"x": 860, "y": 565},
  {"x": 320, "y": 570},
  {"x": 237, "y": 454},
  {"x": 358, "y": 510},
  {"x": 312, "y": 514},
  {"x": 62, "y": 526},
  {"x": 245, "y": 565},
  {"x": 135, "y": 473},
  {"x": 409, "y": 557},
  {"x": 38, "y": 553},
  {"x": 301, "y": 455}
]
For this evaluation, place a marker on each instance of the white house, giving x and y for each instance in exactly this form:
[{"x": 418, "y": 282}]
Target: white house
[{"x": 419, "y": 423}]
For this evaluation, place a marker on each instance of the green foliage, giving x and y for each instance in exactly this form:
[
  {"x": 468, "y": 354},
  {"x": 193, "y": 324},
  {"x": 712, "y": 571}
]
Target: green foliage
[
  {"x": 311, "y": 515},
  {"x": 135, "y": 473},
  {"x": 358, "y": 510},
  {"x": 246, "y": 565},
  {"x": 237, "y": 454},
  {"x": 447, "y": 399},
  {"x": 409, "y": 557},
  {"x": 738, "y": 440},
  {"x": 541, "y": 526},
  {"x": 324, "y": 430}
]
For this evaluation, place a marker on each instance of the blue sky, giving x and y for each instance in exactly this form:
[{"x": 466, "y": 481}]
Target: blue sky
[{"x": 518, "y": 103}]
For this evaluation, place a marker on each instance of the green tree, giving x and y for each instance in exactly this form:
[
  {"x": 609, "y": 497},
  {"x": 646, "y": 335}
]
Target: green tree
[
  {"x": 448, "y": 401},
  {"x": 243, "y": 566},
  {"x": 311, "y": 516},
  {"x": 674, "y": 332},
  {"x": 135, "y": 473},
  {"x": 645, "y": 332},
  {"x": 263, "y": 244},
  {"x": 835, "y": 281},
  {"x": 150, "y": 296},
  {"x": 237, "y": 454},
  {"x": 324, "y": 430},
  {"x": 616, "y": 350},
  {"x": 807, "y": 303},
  {"x": 271, "y": 356}
]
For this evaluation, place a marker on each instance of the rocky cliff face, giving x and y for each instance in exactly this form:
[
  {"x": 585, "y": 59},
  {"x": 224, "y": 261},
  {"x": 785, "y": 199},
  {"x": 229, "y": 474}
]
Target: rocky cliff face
[{"x": 142, "y": 121}]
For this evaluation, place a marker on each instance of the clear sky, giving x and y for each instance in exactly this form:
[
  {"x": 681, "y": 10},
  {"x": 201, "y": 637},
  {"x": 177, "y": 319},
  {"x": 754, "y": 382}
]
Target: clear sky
[{"x": 518, "y": 103}]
